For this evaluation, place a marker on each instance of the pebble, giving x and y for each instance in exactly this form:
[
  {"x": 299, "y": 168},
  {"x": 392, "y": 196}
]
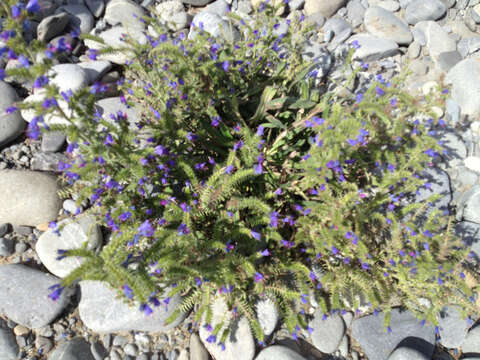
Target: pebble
[
  {"x": 384, "y": 24},
  {"x": 471, "y": 344},
  {"x": 4, "y": 229},
  {"x": 52, "y": 141},
  {"x": 447, "y": 60},
  {"x": 414, "y": 50},
  {"x": 75, "y": 349},
  {"x": 436, "y": 38},
  {"x": 44, "y": 344},
  {"x": 407, "y": 353},
  {"x": 80, "y": 17},
  {"x": 172, "y": 13},
  {"x": 52, "y": 26},
  {"x": 69, "y": 77},
  {"x": 327, "y": 334},
  {"x": 96, "y": 7},
  {"x": 268, "y": 316},
  {"x": 130, "y": 349},
  {"x": 126, "y": 13},
  {"x": 7, "y": 247},
  {"x": 355, "y": 12},
  {"x": 453, "y": 329},
  {"x": 421, "y": 10},
  {"x": 119, "y": 340},
  {"x": 47, "y": 161},
  {"x": 326, "y": 8},
  {"x": 214, "y": 25},
  {"x": 95, "y": 69},
  {"x": 8, "y": 345}
]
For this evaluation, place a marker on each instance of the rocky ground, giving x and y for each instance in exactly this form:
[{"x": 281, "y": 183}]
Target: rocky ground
[{"x": 439, "y": 39}]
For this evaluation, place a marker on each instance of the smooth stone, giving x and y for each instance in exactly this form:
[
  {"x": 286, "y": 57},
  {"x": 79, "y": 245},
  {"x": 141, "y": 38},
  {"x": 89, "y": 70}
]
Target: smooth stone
[
  {"x": 439, "y": 184},
  {"x": 70, "y": 206},
  {"x": 239, "y": 344},
  {"x": 355, "y": 12},
  {"x": 468, "y": 46},
  {"x": 11, "y": 125},
  {"x": 43, "y": 344},
  {"x": 453, "y": 144},
  {"x": 119, "y": 340},
  {"x": 373, "y": 48},
  {"x": 196, "y": 2},
  {"x": 73, "y": 233},
  {"x": 219, "y": 7},
  {"x": 8, "y": 345},
  {"x": 197, "y": 350},
  {"x": 69, "y": 76},
  {"x": 471, "y": 344},
  {"x": 4, "y": 229},
  {"x": 336, "y": 25},
  {"x": 407, "y": 331},
  {"x": 7, "y": 246},
  {"x": 96, "y": 7},
  {"x": 172, "y": 13},
  {"x": 47, "y": 161},
  {"x": 343, "y": 347},
  {"x": 278, "y": 352},
  {"x": 327, "y": 334},
  {"x": 325, "y": 7},
  {"x": 24, "y": 296},
  {"x": 95, "y": 69},
  {"x": 316, "y": 19},
  {"x": 436, "y": 38},
  {"x": 473, "y": 163},
  {"x": 423, "y": 10},
  {"x": 130, "y": 349},
  {"x": 465, "y": 87},
  {"x": 414, "y": 50},
  {"x": 102, "y": 311},
  {"x": 384, "y": 24},
  {"x": 267, "y": 314},
  {"x": 453, "y": 329},
  {"x": 406, "y": 353},
  {"x": 214, "y": 25},
  {"x": 52, "y": 26},
  {"x": 112, "y": 37},
  {"x": 452, "y": 111},
  {"x": 125, "y": 12},
  {"x": 476, "y": 13},
  {"x": 418, "y": 67},
  {"x": 389, "y": 5},
  {"x": 447, "y": 60},
  {"x": 52, "y": 141},
  {"x": 46, "y": 8},
  {"x": 80, "y": 17},
  {"x": 28, "y": 197},
  {"x": 75, "y": 349},
  {"x": 469, "y": 208}
]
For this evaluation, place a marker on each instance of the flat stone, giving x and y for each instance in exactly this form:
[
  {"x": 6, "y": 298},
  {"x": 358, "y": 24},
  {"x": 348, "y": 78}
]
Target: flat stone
[
  {"x": 422, "y": 10},
  {"x": 471, "y": 344},
  {"x": 278, "y": 352},
  {"x": 267, "y": 314},
  {"x": 69, "y": 76},
  {"x": 469, "y": 206},
  {"x": 452, "y": 111},
  {"x": 95, "y": 69},
  {"x": 384, "y": 24},
  {"x": 373, "y": 48},
  {"x": 414, "y": 50},
  {"x": 453, "y": 329},
  {"x": 125, "y": 12},
  {"x": 476, "y": 13},
  {"x": 325, "y": 7},
  {"x": 8, "y": 345},
  {"x": 11, "y": 125},
  {"x": 377, "y": 343},
  {"x": 239, "y": 344},
  {"x": 96, "y": 7},
  {"x": 436, "y": 38},
  {"x": 327, "y": 334},
  {"x": 80, "y": 17},
  {"x": 75, "y": 349},
  {"x": 47, "y": 161},
  {"x": 355, "y": 12},
  {"x": 52, "y": 26},
  {"x": 52, "y": 141},
  {"x": 465, "y": 87},
  {"x": 196, "y": 2},
  {"x": 172, "y": 13},
  {"x": 453, "y": 144},
  {"x": 28, "y": 197},
  {"x": 43, "y": 344},
  {"x": 389, "y": 5},
  {"x": 468, "y": 46},
  {"x": 406, "y": 353},
  {"x": 473, "y": 163},
  {"x": 214, "y": 25},
  {"x": 24, "y": 296},
  {"x": 447, "y": 60},
  {"x": 101, "y": 311},
  {"x": 197, "y": 350},
  {"x": 73, "y": 233}
]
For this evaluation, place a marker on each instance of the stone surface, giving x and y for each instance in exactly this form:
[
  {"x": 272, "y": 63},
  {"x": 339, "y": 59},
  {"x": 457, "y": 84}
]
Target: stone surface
[
  {"x": 69, "y": 76},
  {"x": 7, "y": 247},
  {"x": 52, "y": 141},
  {"x": 447, "y": 60},
  {"x": 101, "y": 311},
  {"x": 111, "y": 105},
  {"x": 407, "y": 331},
  {"x": 465, "y": 87},
  {"x": 197, "y": 2},
  {"x": 8, "y": 345},
  {"x": 355, "y": 12},
  {"x": 96, "y": 7},
  {"x": 436, "y": 38},
  {"x": 414, "y": 50},
  {"x": 95, "y": 69},
  {"x": 325, "y": 7},
  {"x": 73, "y": 233},
  {"x": 453, "y": 329},
  {"x": 327, "y": 334},
  {"x": 384, "y": 24},
  {"x": 471, "y": 344},
  {"x": 406, "y": 353},
  {"x": 125, "y": 12},
  {"x": 24, "y": 296},
  {"x": 373, "y": 48},
  {"x": 28, "y": 197},
  {"x": 439, "y": 184},
  {"x": 80, "y": 17},
  {"x": 473, "y": 163},
  {"x": 197, "y": 350},
  {"x": 267, "y": 314},
  {"x": 219, "y": 7},
  {"x": 75, "y": 349},
  {"x": 213, "y": 24},
  {"x": 173, "y": 14},
  {"x": 11, "y": 125},
  {"x": 278, "y": 352},
  {"x": 47, "y": 161},
  {"x": 422, "y": 10},
  {"x": 52, "y": 26}
]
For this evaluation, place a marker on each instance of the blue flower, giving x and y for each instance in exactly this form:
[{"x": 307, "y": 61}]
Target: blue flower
[
  {"x": 355, "y": 44},
  {"x": 258, "y": 277},
  {"x": 379, "y": 91},
  {"x": 255, "y": 235},
  {"x": 16, "y": 12},
  {"x": 108, "y": 140},
  {"x": 146, "y": 229},
  {"x": 56, "y": 291},
  {"x": 33, "y": 6},
  {"x": 127, "y": 291}
]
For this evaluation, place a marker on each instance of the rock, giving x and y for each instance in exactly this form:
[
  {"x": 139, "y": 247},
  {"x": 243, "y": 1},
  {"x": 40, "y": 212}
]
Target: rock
[
  {"x": 470, "y": 234},
  {"x": 197, "y": 2},
  {"x": 95, "y": 69},
  {"x": 43, "y": 344},
  {"x": 476, "y": 13},
  {"x": 8, "y": 345},
  {"x": 126, "y": 13},
  {"x": 414, "y": 50},
  {"x": 319, "y": 57},
  {"x": 384, "y": 24},
  {"x": 473, "y": 163},
  {"x": 422, "y": 10},
  {"x": 373, "y": 48},
  {"x": 355, "y": 12},
  {"x": 111, "y": 105},
  {"x": 173, "y": 14},
  {"x": 11, "y": 125},
  {"x": 239, "y": 344},
  {"x": 447, "y": 60},
  {"x": 52, "y": 26},
  {"x": 213, "y": 24},
  {"x": 6, "y": 247},
  {"x": 407, "y": 331},
  {"x": 69, "y": 76},
  {"x": 4, "y": 229},
  {"x": 468, "y": 206},
  {"x": 453, "y": 144},
  {"x": 101, "y": 311},
  {"x": 96, "y": 7},
  {"x": 197, "y": 350},
  {"x": 46, "y": 8},
  {"x": 28, "y": 197},
  {"x": 453, "y": 329},
  {"x": 119, "y": 340},
  {"x": 130, "y": 349},
  {"x": 389, "y": 5},
  {"x": 80, "y": 17},
  {"x": 337, "y": 27},
  {"x": 75, "y": 349},
  {"x": 24, "y": 296},
  {"x": 112, "y": 38},
  {"x": 437, "y": 40},
  {"x": 465, "y": 88},
  {"x": 418, "y": 67},
  {"x": 406, "y": 353},
  {"x": 52, "y": 141},
  {"x": 219, "y": 7},
  {"x": 327, "y": 334},
  {"x": 267, "y": 314},
  {"x": 20, "y": 330},
  {"x": 278, "y": 352},
  {"x": 73, "y": 233},
  {"x": 468, "y": 46},
  {"x": 325, "y": 7},
  {"x": 471, "y": 344},
  {"x": 452, "y": 111},
  {"x": 47, "y": 161}
]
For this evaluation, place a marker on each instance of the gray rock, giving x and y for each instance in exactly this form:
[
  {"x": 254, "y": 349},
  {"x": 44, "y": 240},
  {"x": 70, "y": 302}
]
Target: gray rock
[
  {"x": 390, "y": 5},
  {"x": 52, "y": 26},
  {"x": 130, "y": 349},
  {"x": 355, "y": 12},
  {"x": 8, "y": 345},
  {"x": 69, "y": 76},
  {"x": 343, "y": 347},
  {"x": 347, "y": 319},
  {"x": 414, "y": 50},
  {"x": 173, "y": 14},
  {"x": 47, "y": 161},
  {"x": 267, "y": 314},
  {"x": 80, "y": 17},
  {"x": 46, "y": 8},
  {"x": 114, "y": 355},
  {"x": 119, "y": 340},
  {"x": 422, "y": 10},
  {"x": 404, "y": 3},
  {"x": 278, "y": 352},
  {"x": 219, "y": 7},
  {"x": 11, "y": 125},
  {"x": 70, "y": 206},
  {"x": 471, "y": 344},
  {"x": 316, "y": 19},
  {"x": 461, "y": 4},
  {"x": 435, "y": 37},
  {"x": 214, "y": 25},
  {"x": 470, "y": 234},
  {"x": 20, "y": 247},
  {"x": 73, "y": 233},
  {"x": 4, "y": 229},
  {"x": 43, "y": 344},
  {"x": 465, "y": 88},
  {"x": 24, "y": 296},
  {"x": 196, "y": 2},
  {"x": 101, "y": 311},
  {"x": 336, "y": 25},
  {"x": 468, "y": 209},
  {"x": 125, "y": 12},
  {"x": 453, "y": 329},
  {"x": 384, "y": 24},
  {"x": 28, "y": 197},
  {"x": 326, "y": 8},
  {"x": 318, "y": 56},
  {"x": 475, "y": 12},
  {"x": 407, "y": 331},
  {"x": 296, "y": 4},
  {"x": 453, "y": 144},
  {"x": 327, "y": 334},
  {"x": 373, "y": 48},
  {"x": 75, "y": 349},
  {"x": 197, "y": 350},
  {"x": 418, "y": 67},
  {"x": 468, "y": 46},
  {"x": 52, "y": 141},
  {"x": 406, "y": 353},
  {"x": 452, "y": 111},
  {"x": 447, "y": 60},
  {"x": 96, "y": 7},
  {"x": 95, "y": 69},
  {"x": 6, "y": 247}
]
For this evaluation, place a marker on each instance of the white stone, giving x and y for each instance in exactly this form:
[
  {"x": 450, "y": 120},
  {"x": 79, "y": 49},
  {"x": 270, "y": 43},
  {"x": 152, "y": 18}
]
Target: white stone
[
  {"x": 466, "y": 87},
  {"x": 475, "y": 127},
  {"x": 95, "y": 69},
  {"x": 173, "y": 14},
  {"x": 69, "y": 77},
  {"x": 125, "y": 12},
  {"x": 473, "y": 163},
  {"x": 325, "y": 7},
  {"x": 267, "y": 315},
  {"x": 384, "y": 24}
]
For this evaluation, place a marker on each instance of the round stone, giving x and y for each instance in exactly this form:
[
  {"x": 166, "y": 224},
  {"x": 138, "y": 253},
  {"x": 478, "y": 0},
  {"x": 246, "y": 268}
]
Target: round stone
[
  {"x": 325, "y": 7},
  {"x": 384, "y": 24},
  {"x": 11, "y": 125},
  {"x": 327, "y": 333}
]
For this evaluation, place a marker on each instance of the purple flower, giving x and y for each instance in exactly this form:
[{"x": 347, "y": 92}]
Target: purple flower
[
  {"x": 56, "y": 291},
  {"x": 379, "y": 91},
  {"x": 229, "y": 169},
  {"x": 183, "y": 229},
  {"x": 238, "y": 145},
  {"x": 355, "y": 44},
  {"x": 125, "y": 216},
  {"x": 61, "y": 254},
  {"x": 278, "y": 191},
  {"x": 127, "y": 291},
  {"x": 265, "y": 252},
  {"x": 16, "y": 12},
  {"x": 108, "y": 140},
  {"x": 146, "y": 309},
  {"x": 215, "y": 121},
  {"x": 146, "y": 229},
  {"x": 258, "y": 277},
  {"x": 258, "y": 169},
  {"x": 334, "y": 250},
  {"x": 260, "y": 130},
  {"x": 212, "y": 339},
  {"x": 255, "y": 235},
  {"x": 33, "y": 6},
  {"x": 225, "y": 65},
  {"x": 391, "y": 167}
]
